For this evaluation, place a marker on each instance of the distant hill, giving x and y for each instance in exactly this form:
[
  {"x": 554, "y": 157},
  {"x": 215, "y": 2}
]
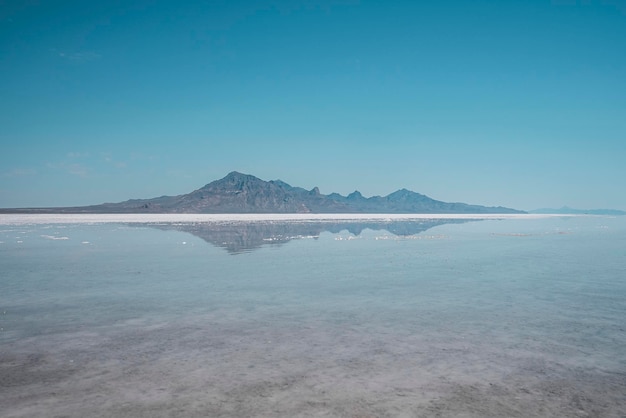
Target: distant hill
[
  {"x": 244, "y": 193},
  {"x": 570, "y": 211}
]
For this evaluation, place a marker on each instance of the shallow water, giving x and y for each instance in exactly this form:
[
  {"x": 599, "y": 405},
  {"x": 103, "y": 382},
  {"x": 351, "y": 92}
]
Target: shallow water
[{"x": 514, "y": 317}]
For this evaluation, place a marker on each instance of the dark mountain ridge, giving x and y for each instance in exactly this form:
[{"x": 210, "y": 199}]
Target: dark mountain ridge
[{"x": 244, "y": 193}]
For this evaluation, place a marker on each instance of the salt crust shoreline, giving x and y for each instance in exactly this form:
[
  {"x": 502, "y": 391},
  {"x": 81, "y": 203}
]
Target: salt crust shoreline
[{"x": 26, "y": 219}]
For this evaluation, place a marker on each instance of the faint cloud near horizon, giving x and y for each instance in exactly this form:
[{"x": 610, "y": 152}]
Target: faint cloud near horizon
[
  {"x": 141, "y": 156},
  {"x": 107, "y": 157},
  {"x": 77, "y": 154},
  {"x": 77, "y": 56},
  {"x": 20, "y": 172},
  {"x": 75, "y": 169}
]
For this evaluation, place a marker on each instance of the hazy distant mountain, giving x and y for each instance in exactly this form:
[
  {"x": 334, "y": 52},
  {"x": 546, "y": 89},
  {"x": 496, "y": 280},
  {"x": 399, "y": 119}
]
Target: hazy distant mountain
[
  {"x": 570, "y": 211},
  {"x": 243, "y": 193}
]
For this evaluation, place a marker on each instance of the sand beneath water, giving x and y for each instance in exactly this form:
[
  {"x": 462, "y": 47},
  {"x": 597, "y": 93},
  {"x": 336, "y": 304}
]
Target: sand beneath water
[{"x": 209, "y": 367}]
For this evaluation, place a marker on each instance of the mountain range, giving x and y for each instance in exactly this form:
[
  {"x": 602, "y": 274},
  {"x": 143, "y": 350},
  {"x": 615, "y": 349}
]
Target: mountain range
[{"x": 244, "y": 193}]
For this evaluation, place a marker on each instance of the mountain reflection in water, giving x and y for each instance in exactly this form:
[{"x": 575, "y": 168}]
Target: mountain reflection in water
[{"x": 240, "y": 237}]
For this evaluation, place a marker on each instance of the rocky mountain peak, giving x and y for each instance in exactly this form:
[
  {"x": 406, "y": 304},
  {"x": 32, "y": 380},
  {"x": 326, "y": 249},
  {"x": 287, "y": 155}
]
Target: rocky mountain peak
[
  {"x": 355, "y": 195},
  {"x": 404, "y": 194},
  {"x": 233, "y": 181}
]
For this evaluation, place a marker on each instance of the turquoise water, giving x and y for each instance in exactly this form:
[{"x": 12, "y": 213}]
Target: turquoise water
[{"x": 515, "y": 317}]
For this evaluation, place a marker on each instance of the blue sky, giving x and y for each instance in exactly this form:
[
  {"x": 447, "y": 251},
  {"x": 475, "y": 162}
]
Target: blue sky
[{"x": 514, "y": 103}]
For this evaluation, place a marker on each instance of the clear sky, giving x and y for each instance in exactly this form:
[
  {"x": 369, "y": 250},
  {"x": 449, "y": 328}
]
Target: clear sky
[{"x": 513, "y": 103}]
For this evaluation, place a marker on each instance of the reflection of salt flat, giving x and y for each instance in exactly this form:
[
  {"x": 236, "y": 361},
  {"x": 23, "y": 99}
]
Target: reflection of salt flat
[
  {"x": 519, "y": 234},
  {"x": 392, "y": 237},
  {"x": 348, "y": 238},
  {"x": 24, "y": 219},
  {"x": 52, "y": 237},
  {"x": 410, "y": 237},
  {"x": 288, "y": 238}
]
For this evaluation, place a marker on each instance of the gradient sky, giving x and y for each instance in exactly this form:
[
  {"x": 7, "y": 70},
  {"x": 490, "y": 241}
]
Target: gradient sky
[{"x": 513, "y": 103}]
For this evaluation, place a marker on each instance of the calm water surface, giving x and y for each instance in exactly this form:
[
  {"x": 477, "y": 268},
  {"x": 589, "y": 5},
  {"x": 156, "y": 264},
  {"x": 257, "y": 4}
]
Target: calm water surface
[{"x": 515, "y": 317}]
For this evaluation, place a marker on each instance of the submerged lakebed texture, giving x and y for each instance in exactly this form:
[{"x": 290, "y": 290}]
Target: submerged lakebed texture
[{"x": 515, "y": 316}]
